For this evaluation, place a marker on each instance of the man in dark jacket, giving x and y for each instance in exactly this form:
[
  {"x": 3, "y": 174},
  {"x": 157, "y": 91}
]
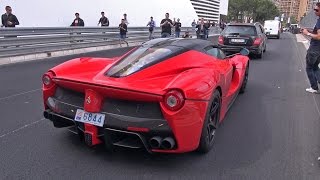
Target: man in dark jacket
[
  {"x": 313, "y": 54},
  {"x": 8, "y": 19},
  {"x": 177, "y": 29},
  {"x": 77, "y": 21},
  {"x": 104, "y": 21}
]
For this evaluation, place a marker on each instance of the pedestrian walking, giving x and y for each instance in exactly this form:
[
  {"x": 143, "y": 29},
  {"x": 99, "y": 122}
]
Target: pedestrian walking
[
  {"x": 166, "y": 25},
  {"x": 125, "y": 17},
  {"x": 313, "y": 54},
  {"x": 123, "y": 29},
  {"x": 104, "y": 21},
  {"x": 8, "y": 19},
  {"x": 77, "y": 21},
  {"x": 177, "y": 26},
  {"x": 152, "y": 25}
]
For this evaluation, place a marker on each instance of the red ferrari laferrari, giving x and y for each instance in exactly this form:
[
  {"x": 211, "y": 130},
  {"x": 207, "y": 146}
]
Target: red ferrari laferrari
[{"x": 167, "y": 95}]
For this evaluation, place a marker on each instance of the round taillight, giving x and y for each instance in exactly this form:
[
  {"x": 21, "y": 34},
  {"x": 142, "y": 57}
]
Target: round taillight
[
  {"x": 174, "y": 100},
  {"x": 47, "y": 79}
]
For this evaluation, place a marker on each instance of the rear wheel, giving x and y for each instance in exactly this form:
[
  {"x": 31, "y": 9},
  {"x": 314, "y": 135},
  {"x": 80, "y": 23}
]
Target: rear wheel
[
  {"x": 260, "y": 55},
  {"x": 210, "y": 124},
  {"x": 245, "y": 81}
]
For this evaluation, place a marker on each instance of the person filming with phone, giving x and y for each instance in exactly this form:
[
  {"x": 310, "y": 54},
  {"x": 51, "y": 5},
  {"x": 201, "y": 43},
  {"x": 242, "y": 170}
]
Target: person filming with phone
[
  {"x": 166, "y": 25},
  {"x": 313, "y": 54}
]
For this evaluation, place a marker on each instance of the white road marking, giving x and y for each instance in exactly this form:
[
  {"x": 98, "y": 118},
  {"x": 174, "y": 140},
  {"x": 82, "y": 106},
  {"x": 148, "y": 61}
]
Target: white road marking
[
  {"x": 20, "y": 128},
  {"x": 19, "y": 94}
]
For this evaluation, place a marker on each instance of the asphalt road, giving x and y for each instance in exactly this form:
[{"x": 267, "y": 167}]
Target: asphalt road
[{"x": 271, "y": 132}]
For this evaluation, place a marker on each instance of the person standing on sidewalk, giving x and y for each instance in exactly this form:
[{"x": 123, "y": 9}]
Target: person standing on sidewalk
[
  {"x": 313, "y": 54},
  {"x": 104, "y": 21},
  {"x": 125, "y": 17},
  {"x": 177, "y": 26},
  {"x": 152, "y": 25},
  {"x": 123, "y": 29},
  {"x": 201, "y": 30},
  {"x": 166, "y": 25},
  {"x": 8, "y": 19},
  {"x": 77, "y": 21}
]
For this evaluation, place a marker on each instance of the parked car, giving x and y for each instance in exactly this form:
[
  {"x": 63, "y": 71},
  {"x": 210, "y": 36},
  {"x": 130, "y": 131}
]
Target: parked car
[
  {"x": 272, "y": 28},
  {"x": 167, "y": 95},
  {"x": 243, "y": 35}
]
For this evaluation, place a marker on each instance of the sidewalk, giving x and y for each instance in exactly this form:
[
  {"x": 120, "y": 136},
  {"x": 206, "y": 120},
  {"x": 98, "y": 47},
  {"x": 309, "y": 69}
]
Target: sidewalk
[{"x": 302, "y": 39}]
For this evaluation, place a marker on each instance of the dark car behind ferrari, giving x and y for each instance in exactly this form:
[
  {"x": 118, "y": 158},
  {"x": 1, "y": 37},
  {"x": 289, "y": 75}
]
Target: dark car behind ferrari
[{"x": 240, "y": 35}]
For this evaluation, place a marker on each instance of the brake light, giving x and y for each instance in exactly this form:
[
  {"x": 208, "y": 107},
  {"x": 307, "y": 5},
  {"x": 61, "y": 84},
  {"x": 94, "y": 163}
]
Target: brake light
[
  {"x": 47, "y": 79},
  {"x": 174, "y": 100},
  {"x": 257, "y": 42},
  {"x": 221, "y": 40}
]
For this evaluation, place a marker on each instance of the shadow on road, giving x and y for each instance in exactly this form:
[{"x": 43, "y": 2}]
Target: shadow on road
[{"x": 231, "y": 151}]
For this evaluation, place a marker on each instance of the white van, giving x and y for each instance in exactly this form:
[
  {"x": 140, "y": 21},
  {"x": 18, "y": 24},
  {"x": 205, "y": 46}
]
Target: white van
[{"x": 272, "y": 28}]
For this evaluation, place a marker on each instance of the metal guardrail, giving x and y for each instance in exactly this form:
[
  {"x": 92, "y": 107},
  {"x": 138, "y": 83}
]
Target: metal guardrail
[{"x": 25, "y": 41}]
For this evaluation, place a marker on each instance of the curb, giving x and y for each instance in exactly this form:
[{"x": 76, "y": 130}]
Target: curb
[{"x": 302, "y": 39}]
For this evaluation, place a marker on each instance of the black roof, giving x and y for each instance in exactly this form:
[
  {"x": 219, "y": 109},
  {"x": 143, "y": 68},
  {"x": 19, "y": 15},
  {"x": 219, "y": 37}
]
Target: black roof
[{"x": 192, "y": 44}]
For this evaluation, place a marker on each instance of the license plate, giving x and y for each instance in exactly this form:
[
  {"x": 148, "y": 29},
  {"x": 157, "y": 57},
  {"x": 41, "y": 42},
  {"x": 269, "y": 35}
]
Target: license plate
[
  {"x": 96, "y": 119},
  {"x": 238, "y": 40}
]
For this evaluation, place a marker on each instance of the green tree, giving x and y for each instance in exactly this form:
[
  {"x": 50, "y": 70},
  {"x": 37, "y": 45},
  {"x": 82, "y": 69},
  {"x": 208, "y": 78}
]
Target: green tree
[
  {"x": 293, "y": 20},
  {"x": 256, "y": 10}
]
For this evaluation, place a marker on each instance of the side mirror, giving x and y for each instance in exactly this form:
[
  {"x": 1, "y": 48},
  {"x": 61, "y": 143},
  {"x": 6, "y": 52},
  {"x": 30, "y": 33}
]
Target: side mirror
[{"x": 244, "y": 52}]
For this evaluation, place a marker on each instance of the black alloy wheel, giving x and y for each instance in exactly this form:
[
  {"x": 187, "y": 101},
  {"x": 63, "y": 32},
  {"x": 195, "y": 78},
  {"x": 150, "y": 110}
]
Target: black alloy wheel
[
  {"x": 211, "y": 124},
  {"x": 245, "y": 81}
]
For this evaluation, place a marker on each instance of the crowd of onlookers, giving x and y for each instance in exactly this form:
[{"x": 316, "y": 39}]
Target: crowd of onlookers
[{"x": 201, "y": 28}]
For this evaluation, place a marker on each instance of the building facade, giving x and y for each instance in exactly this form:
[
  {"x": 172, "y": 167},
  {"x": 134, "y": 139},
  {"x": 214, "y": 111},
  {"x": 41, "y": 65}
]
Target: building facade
[
  {"x": 290, "y": 8},
  {"x": 311, "y": 4},
  {"x": 303, "y": 9},
  {"x": 207, "y": 9}
]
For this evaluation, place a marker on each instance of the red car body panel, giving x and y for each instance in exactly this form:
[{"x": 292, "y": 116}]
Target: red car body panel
[{"x": 197, "y": 74}]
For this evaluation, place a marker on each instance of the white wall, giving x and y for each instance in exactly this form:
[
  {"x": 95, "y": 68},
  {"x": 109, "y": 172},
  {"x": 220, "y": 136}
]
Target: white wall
[
  {"x": 224, "y": 4},
  {"x": 49, "y": 13}
]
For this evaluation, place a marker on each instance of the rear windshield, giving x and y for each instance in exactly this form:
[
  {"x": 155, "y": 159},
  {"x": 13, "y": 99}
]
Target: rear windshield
[
  {"x": 240, "y": 30},
  {"x": 141, "y": 58}
]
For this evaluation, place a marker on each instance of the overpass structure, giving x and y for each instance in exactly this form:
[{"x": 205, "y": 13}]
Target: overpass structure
[
  {"x": 22, "y": 44},
  {"x": 271, "y": 132}
]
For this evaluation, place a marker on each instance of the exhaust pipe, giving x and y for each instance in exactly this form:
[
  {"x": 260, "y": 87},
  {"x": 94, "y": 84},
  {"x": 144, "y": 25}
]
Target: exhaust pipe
[
  {"x": 155, "y": 142},
  {"x": 46, "y": 114},
  {"x": 168, "y": 143}
]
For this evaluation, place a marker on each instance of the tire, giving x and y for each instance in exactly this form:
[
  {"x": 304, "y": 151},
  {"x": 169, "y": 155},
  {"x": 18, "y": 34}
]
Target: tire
[
  {"x": 245, "y": 81},
  {"x": 260, "y": 55},
  {"x": 265, "y": 48},
  {"x": 211, "y": 124}
]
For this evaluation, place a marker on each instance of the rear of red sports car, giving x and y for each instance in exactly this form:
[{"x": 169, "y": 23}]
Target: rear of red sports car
[{"x": 159, "y": 104}]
